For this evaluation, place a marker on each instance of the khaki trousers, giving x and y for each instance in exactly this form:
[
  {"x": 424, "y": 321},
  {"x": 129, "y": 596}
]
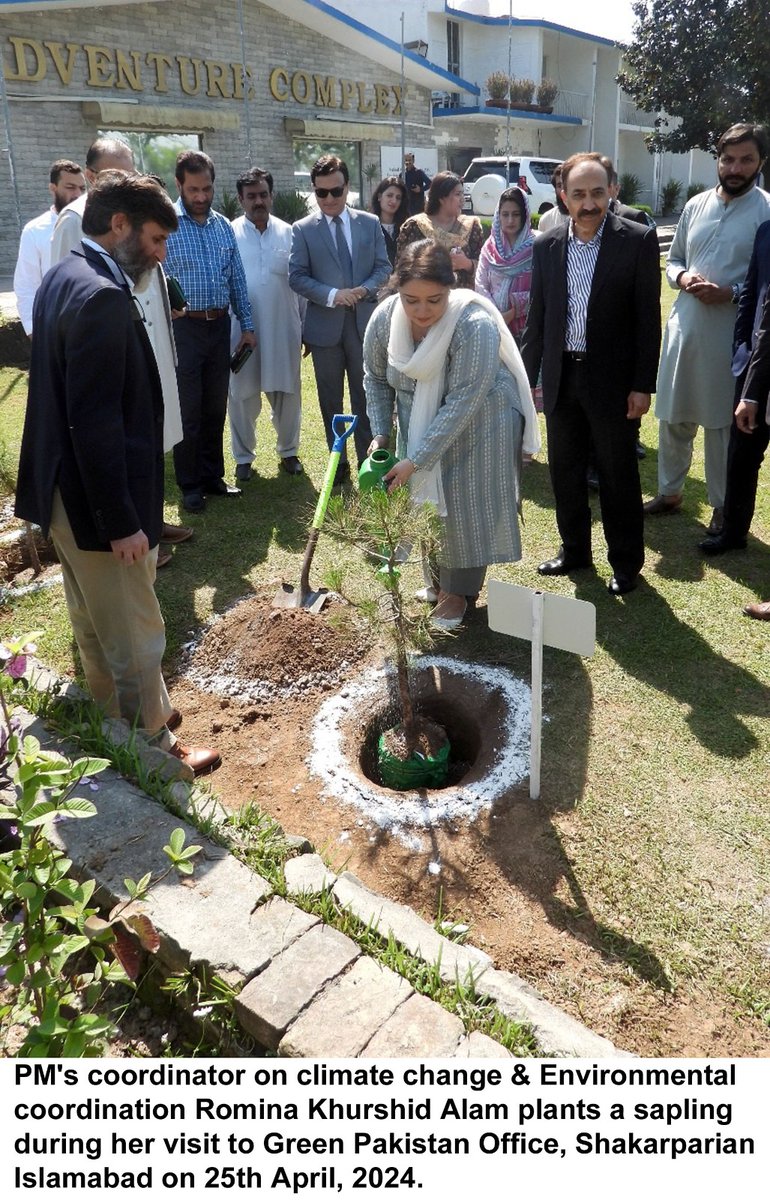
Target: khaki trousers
[
  {"x": 118, "y": 628},
  {"x": 675, "y": 445},
  {"x": 286, "y": 412}
]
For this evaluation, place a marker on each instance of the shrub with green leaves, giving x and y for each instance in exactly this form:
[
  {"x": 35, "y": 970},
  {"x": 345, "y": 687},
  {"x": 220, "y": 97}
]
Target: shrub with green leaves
[
  {"x": 57, "y": 953},
  {"x": 671, "y": 196}
]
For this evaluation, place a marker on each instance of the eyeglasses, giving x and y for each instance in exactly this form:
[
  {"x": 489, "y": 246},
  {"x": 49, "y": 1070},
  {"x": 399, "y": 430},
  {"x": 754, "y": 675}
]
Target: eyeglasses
[{"x": 322, "y": 193}]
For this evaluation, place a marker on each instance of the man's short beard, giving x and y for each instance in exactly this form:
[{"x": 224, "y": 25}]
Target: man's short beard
[
  {"x": 130, "y": 256},
  {"x": 746, "y": 186}
]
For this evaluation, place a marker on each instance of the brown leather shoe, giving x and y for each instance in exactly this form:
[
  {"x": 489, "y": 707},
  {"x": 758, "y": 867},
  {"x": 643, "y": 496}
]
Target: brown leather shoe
[
  {"x": 761, "y": 611},
  {"x": 174, "y": 534},
  {"x": 662, "y": 506},
  {"x": 164, "y": 558},
  {"x": 199, "y": 758}
]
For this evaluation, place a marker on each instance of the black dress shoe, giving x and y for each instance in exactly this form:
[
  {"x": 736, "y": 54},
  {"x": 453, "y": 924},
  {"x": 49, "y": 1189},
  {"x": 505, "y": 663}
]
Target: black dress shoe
[
  {"x": 720, "y": 543},
  {"x": 640, "y": 450},
  {"x": 292, "y": 465},
  {"x": 620, "y": 584},
  {"x": 193, "y": 502},
  {"x": 562, "y": 565},
  {"x": 592, "y": 479},
  {"x": 218, "y": 487}
]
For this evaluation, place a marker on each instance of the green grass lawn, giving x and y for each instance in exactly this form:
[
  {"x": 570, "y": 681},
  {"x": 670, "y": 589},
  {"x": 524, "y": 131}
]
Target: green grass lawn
[{"x": 655, "y": 751}]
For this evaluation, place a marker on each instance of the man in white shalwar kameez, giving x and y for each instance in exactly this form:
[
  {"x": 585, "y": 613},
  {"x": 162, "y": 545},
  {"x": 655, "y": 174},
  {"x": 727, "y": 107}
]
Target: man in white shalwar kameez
[
  {"x": 264, "y": 243},
  {"x": 707, "y": 263}
]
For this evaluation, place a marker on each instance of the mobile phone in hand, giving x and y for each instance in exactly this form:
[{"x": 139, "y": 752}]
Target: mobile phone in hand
[
  {"x": 240, "y": 357},
  {"x": 176, "y": 296}
]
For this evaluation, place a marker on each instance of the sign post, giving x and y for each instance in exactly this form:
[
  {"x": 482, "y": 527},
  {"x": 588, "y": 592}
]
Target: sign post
[{"x": 544, "y": 620}]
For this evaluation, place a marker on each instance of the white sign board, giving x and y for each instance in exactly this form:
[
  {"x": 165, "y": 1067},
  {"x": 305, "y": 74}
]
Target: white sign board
[
  {"x": 425, "y": 157},
  {"x": 568, "y": 624},
  {"x": 544, "y": 620}
]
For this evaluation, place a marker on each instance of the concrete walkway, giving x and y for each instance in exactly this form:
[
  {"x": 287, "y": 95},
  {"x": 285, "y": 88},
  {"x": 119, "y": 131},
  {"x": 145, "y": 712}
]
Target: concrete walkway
[{"x": 308, "y": 991}]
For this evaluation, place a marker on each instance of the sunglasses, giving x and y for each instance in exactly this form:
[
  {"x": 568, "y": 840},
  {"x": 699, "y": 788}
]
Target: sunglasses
[{"x": 322, "y": 193}]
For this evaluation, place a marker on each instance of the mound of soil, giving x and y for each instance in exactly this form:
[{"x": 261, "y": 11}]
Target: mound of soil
[
  {"x": 17, "y": 567},
  {"x": 261, "y": 650},
  {"x": 14, "y": 345}
]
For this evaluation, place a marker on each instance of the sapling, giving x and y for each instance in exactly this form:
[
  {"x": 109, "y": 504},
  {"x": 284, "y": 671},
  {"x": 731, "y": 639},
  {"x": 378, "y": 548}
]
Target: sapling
[{"x": 386, "y": 526}]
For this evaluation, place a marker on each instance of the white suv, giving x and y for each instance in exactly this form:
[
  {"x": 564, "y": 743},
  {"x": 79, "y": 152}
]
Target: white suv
[{"x": 484, "y": 182}]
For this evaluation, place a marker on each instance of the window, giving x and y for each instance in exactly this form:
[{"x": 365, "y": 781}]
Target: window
[
  {"x": 543, "y": 169},
  {"x": 453, "y": 47},
  {"x": 156, "y": 153}
]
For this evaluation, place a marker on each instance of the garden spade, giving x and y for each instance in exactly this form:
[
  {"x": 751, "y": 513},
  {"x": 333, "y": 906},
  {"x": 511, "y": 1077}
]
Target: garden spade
[{"x": 286, "y": 596}]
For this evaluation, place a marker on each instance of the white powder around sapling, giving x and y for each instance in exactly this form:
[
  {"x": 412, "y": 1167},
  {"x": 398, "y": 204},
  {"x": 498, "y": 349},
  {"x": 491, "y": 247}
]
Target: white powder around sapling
[{"x": 402, "y": 812}]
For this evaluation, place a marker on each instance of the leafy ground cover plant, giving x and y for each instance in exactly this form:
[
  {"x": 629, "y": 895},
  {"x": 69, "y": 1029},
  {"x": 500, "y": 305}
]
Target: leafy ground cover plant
[{"x": 57, "y": 953}]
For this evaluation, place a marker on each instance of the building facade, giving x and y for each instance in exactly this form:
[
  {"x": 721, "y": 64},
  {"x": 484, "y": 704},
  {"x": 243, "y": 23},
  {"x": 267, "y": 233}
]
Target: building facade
[
  {"x": 590, "y": 112},
  {"x": 274, "y": 82},
  {"x": 268, "y": 83}
]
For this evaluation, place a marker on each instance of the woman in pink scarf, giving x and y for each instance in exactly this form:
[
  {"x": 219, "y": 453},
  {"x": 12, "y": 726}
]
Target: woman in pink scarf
[{"x": 504, "y": 273}]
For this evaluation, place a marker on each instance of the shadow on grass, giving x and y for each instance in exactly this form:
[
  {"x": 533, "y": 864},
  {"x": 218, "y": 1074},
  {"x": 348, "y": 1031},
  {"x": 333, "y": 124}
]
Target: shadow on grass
[
  {"x": 519, "y": 834},
  {"x": 649, "y": 642}
]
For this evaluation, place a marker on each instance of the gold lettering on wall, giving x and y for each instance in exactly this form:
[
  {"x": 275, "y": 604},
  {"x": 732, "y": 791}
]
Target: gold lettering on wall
[
  {"x": 300, "y": 86},
  {"x": 364, "y": 105},
  {"x": 348, "y": 91},
  {"x": 325, "y": 91},
  {"x": 189, "y": 74},
  {"x": 21, "y": 48},
  {"x": 99, "y": 63},
  {"x": 107, "y": 67},
  {"x": 160, "y": 63},
  {"x": 218, "y": 85},
  {"x": 129, "y": 74},
  {"x": 64, "y": 67},
  {"x": 279, "y": 83}
]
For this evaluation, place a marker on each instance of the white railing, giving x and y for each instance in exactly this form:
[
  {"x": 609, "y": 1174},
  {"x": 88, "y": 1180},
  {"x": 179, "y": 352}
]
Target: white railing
[
  {"x": 631, "y": 115},
  {"x": 571, "y": 104}
]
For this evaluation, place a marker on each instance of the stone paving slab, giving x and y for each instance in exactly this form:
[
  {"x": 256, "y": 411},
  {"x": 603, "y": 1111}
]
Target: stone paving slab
[
  {"x": 478, "y": 1045},
  {"x": 344, "y": 1019},
  {"x": 219, "y": 918},
  {"x": 307, "y": 873},
  {"x": 419, "y": 1028},
  {"x": 409, "y": 930},
  {"x": 269, "y": 1004},
  {"x": 557, "y": 1033}
]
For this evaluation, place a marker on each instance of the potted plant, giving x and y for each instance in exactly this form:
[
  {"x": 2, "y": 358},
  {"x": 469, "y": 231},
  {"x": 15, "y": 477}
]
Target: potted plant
[
  {"x": 522, "y": 91},
  {"x": 497, "y": 85},
  {"x": 413, "y": 752},
  {"x": 371, "y": 172},
  {"x": 546, "y": 94},
  {"x": 671, "y": 197}
]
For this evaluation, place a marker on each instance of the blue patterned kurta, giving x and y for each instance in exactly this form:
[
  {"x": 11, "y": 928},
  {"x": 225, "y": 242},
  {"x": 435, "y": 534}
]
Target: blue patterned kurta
[{"x": 476, "y": 435}]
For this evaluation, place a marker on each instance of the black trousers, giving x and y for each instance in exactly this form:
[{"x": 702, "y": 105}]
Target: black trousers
[
  {"x": 331, "y": 364},
  {"x": 203, "y": 375},
  {"x": 745, "y": 454},
  {"x": 576, "y": 423}
]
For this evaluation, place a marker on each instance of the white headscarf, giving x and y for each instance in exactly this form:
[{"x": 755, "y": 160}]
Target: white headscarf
[{"x": 425, "y": 364}]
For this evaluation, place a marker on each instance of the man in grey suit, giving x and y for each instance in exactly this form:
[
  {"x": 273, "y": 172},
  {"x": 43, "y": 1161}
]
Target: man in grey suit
[{"x": 338, "y": 261}]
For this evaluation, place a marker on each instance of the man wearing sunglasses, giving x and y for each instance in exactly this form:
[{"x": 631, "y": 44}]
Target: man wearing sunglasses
[{"x": 338, "y": 261}]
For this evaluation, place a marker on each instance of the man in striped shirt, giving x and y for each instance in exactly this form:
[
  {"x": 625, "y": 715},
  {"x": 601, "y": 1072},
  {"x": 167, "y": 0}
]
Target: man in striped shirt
[
  {"x": 594, "y": 326},
  {"x": 203, "y": 257}
]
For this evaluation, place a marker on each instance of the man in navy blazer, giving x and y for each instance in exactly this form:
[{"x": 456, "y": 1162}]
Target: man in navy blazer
[
  {"x": 750, "y": 433},
  {"x": 594, "y": 327},
  {"x": 338, "y": 261},
  {"x": 91, "y": 466}
]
